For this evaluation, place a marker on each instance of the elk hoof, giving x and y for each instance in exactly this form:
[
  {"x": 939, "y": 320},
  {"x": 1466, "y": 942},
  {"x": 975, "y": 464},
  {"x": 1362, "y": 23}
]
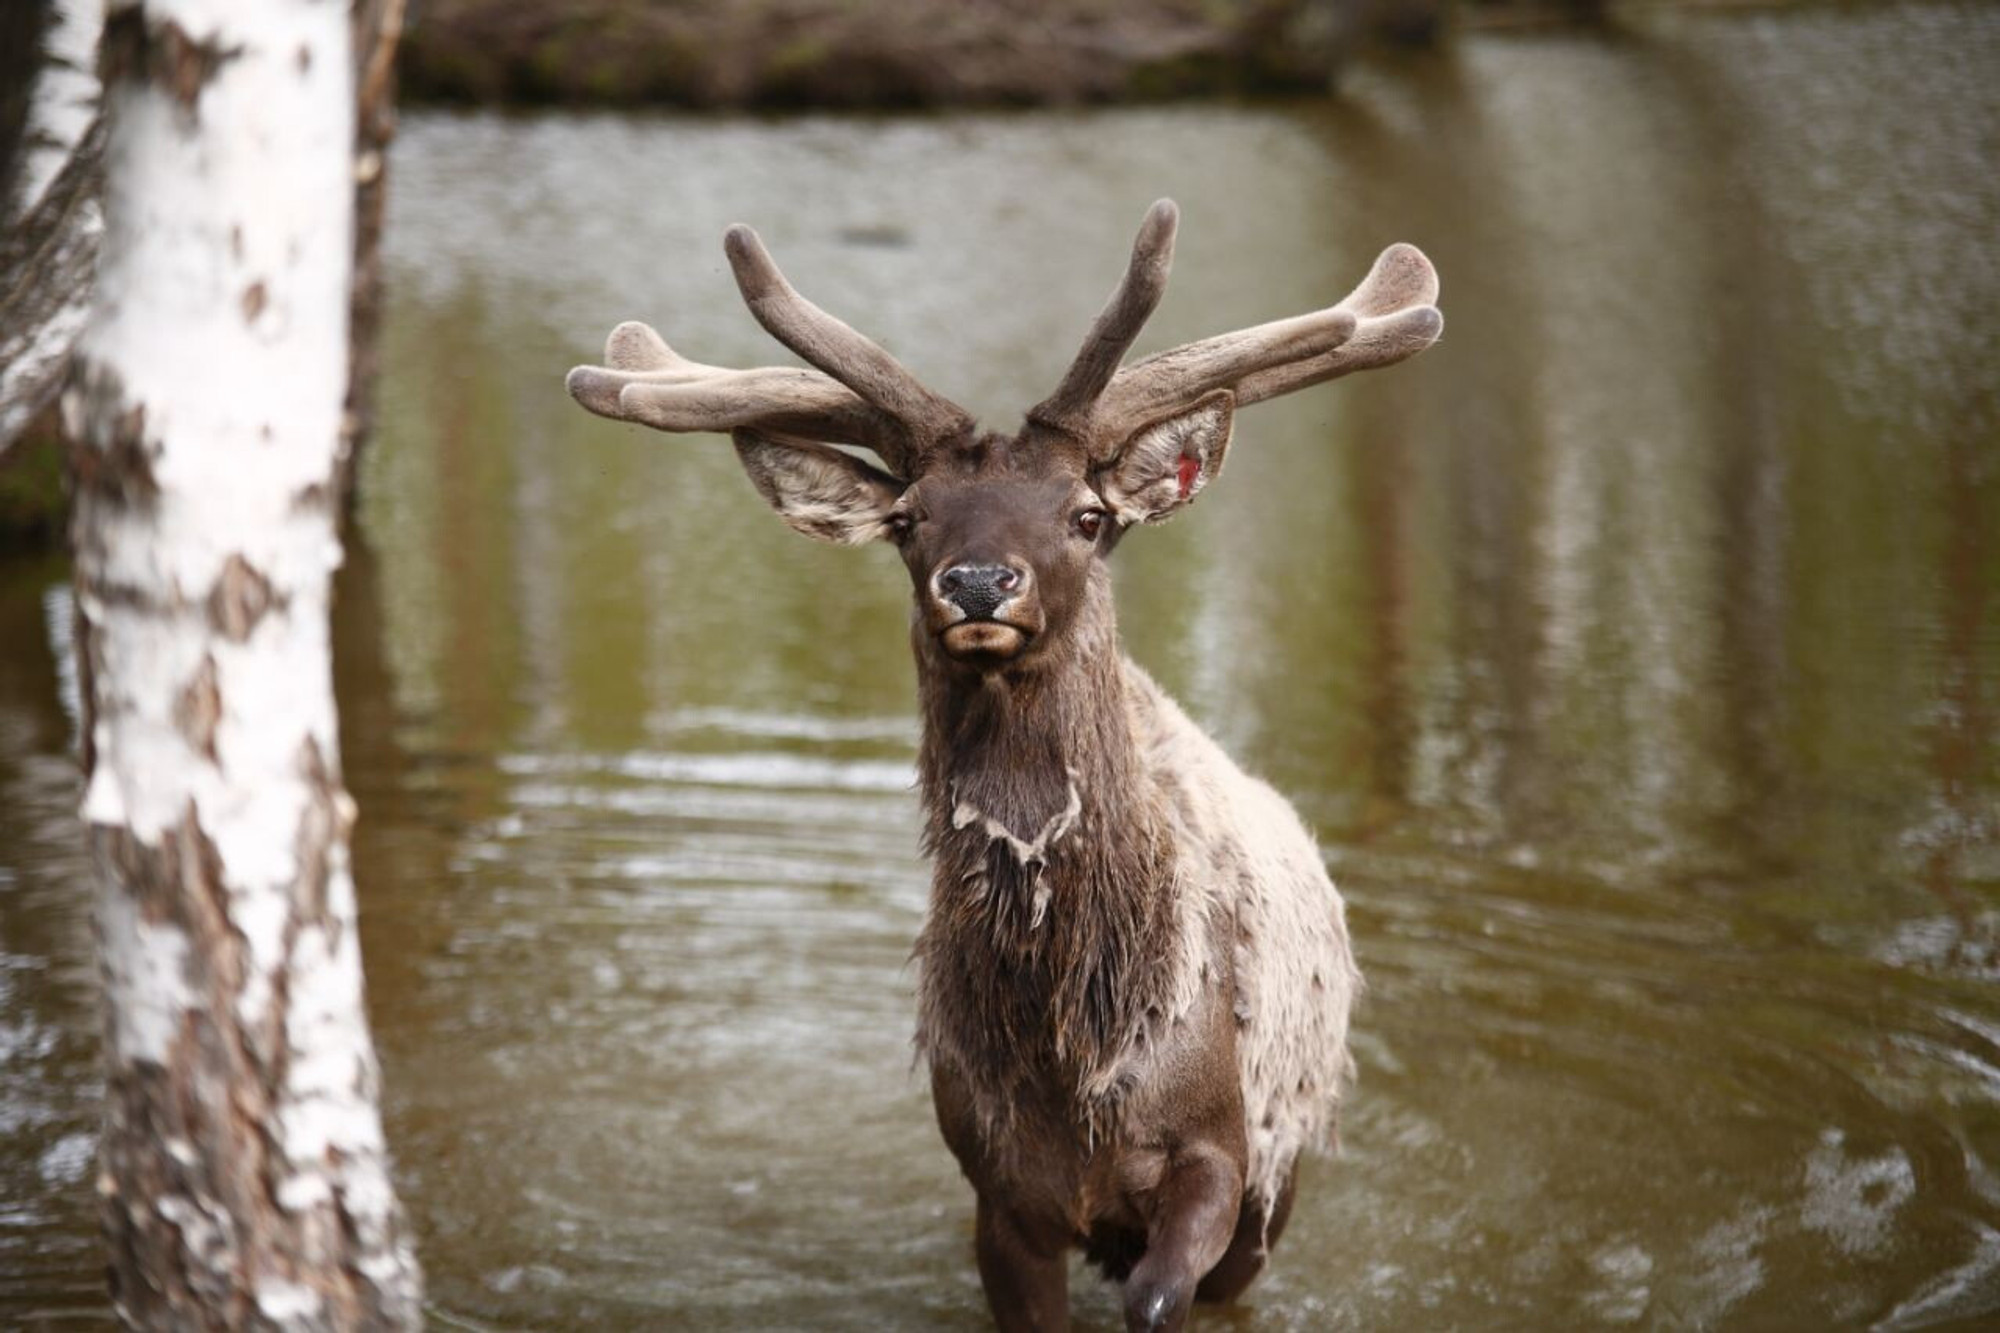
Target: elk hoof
[{"x": 1151, "y": 1307}]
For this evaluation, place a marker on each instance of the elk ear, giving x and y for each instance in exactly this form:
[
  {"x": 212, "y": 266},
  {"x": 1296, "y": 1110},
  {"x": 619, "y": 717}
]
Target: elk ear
[
  {"x": 1167, "y": 462},
  {"x": 819, "y": 490}
]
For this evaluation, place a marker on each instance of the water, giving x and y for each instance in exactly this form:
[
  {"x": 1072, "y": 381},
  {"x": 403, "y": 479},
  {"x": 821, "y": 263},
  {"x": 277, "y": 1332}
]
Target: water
[{"x": 1636, "y": 653}]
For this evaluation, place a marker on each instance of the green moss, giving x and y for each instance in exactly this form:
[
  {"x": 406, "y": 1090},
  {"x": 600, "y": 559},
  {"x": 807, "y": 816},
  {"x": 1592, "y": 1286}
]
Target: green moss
[
  {"x": 605, "y": 81},
  {"x": 797, "y": 57},
  {"x": 549, "y": 69},
  {"x": 34, "y": 503},
  {"x": 1189, "y": 75},
  {"x": 451, "y": 73}
]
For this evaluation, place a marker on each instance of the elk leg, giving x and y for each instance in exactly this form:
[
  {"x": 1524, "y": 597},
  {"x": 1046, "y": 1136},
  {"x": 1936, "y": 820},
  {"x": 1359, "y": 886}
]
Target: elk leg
[
  {"x": 1193, "y": 1218},
  {"x": 1027, "y": 1285},
  {"x": 1258, "y": 1227}
]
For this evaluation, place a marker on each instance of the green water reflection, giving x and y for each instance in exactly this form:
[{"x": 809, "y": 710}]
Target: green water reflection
[{"x": 1636, "y": 653}]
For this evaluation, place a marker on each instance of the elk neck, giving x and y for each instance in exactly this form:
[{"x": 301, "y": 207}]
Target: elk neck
[
  {"x": 1043, "y": 761},
  {"x": 1054, "y": 925}
]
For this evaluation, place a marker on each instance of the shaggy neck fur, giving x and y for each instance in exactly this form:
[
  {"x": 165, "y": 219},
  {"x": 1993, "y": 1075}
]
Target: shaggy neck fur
[{"x": 1053, "y": 927}]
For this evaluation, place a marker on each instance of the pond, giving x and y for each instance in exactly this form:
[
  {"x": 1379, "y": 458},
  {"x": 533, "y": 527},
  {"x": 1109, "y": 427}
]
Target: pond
[{"x": 1635, "y": 654}]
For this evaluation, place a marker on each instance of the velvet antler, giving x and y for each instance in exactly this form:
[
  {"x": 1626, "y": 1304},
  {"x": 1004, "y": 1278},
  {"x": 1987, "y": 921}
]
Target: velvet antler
[
  {"x": 1390, "y": 316},
  {"x": 858, "y": 395},
  {"x": 861, "y": 395}
]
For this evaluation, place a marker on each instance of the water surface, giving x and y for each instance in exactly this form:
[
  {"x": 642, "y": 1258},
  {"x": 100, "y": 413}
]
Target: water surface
[{"x": 1636, "y": 654}]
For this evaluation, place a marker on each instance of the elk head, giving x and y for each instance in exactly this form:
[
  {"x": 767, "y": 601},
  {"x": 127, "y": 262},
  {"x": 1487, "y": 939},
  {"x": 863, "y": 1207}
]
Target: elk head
[{"x": 1004, "y": 536}]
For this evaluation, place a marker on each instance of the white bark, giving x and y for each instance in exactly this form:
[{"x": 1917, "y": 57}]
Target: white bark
[
  {"x": 246, "y": 1177},
  {"x": 50, "y": 219},
  {"x": 63, "y": 103}
]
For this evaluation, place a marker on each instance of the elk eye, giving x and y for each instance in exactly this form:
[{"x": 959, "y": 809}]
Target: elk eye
[{"x": 1089, "y": 523}]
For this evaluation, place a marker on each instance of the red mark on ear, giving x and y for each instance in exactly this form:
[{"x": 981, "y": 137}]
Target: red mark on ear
[{"x": 1190, "y": 469}]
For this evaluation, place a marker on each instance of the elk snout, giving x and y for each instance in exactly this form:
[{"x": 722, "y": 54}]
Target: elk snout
[
  {"x": 979, "y": 590},
  {"x": 984, "y": 612}
]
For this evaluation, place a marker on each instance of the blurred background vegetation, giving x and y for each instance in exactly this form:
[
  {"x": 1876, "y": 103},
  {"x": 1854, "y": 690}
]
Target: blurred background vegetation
[{"x": 893, "y": 53}]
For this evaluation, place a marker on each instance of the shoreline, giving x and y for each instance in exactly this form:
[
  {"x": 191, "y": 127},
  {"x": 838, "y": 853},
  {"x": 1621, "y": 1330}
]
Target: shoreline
[
  {"x": 788, "y": 55},
  {"x": 783, "y": 56}
]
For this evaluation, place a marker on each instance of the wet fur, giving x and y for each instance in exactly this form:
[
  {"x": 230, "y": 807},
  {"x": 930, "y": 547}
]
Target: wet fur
[
  {"x": 1189, "y": 974},
  {"x": 1136, "y": 976}
]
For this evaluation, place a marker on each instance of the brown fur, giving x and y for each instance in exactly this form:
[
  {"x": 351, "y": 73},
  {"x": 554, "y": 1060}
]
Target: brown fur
[
  {"x": 1095, "y": 998},
  {"x": 1010, "y": 992},
  {"x": 1135, "y": 974}
]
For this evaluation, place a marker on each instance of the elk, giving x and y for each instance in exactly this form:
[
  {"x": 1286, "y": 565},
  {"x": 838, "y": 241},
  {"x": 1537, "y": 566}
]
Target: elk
[{"x": 1135, "y": 974}]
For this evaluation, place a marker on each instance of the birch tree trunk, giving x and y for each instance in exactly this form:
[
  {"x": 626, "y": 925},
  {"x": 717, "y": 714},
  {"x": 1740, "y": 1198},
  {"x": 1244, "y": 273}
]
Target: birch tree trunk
[
  {"x": 49, "y": 219},
  {"x": 378, "y": 26},
  {"x": 244, "y": 1173}
]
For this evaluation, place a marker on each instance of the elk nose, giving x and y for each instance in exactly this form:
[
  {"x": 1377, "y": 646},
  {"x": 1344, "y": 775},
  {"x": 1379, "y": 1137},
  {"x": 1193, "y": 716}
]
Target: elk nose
[{"x": 978, "y": 590}]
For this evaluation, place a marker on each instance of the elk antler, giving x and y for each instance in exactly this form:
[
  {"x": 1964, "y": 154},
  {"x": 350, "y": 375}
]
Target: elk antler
[
  {"x": 1390, "y": 316},
  {"x": 859, "y": 394},
  {"x": 1117, "y": 325}
]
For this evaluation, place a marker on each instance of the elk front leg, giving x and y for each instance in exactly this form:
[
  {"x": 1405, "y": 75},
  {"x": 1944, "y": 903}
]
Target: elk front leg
[
  {"x": 1193, "y": 1218},
  {"x": 1026, "y": 1278}
]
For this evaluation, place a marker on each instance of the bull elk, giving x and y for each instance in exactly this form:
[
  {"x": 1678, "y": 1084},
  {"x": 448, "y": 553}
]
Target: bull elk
[{"x": 1135, "y": 975}]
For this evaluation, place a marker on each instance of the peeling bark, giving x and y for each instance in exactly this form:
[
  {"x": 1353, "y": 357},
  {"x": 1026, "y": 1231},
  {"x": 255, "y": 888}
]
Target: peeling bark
[
  {"x": 244, "y": 1174},
  {"x": 49, "y": 218}
]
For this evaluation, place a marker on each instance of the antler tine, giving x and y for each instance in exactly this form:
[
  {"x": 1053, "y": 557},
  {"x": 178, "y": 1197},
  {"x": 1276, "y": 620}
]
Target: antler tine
[
  {"x": 1396, "y": 317},
  {"x": 1178, "y": 377},
  {"x": 1111, "y": 335},
  {"x": 837, "y": 349},
  {"x": 1389, "y": 317},
  {"x": 645, "y": 381},
  {"x": 1376, "y": 343}
]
